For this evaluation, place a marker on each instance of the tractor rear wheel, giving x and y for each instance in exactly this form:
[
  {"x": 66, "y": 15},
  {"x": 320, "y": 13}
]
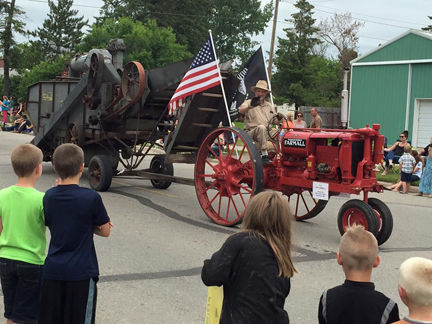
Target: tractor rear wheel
[
  {"x": 304, "y": 205},
  {"x": 356, "y": 211},
  {"x": 158, "y": 165},
  {"x": 228, "y": 172},
  {"x": 385, "y": 219},
  {"x": 100, "y": 172}
]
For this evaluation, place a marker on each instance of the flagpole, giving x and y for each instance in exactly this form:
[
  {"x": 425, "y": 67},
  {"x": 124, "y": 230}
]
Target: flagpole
[
  {"x": 267, "y": 76},
  {"x": 220, "y": 78}
]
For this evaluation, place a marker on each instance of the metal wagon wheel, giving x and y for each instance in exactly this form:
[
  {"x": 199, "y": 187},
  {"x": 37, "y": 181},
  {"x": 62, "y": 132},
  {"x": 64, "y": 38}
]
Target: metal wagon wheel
[
  {"x": 384, "y": 217},
  {"x": 133, "y": 81},
  {"x": 159, "y": 165},
  {"x": 227, "y": 176},
  {"x": 356, "y": 211},
  {"x": 100, "y": 172},
  {"x": 304, "y": 205}
]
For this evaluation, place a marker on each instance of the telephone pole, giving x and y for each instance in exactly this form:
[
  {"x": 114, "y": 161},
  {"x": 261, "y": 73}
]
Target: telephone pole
[{"x": 273, "y": 39}]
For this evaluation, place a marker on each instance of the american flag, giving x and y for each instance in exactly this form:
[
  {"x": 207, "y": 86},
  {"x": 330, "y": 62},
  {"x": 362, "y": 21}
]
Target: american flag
[{"x": 203, "y": 74}]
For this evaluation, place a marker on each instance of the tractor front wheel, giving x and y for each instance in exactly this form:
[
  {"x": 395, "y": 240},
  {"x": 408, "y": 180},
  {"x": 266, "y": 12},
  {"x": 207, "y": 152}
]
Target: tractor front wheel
[
  {"x": 358, "y": 212},
  {"x": 385, "y": 219}
]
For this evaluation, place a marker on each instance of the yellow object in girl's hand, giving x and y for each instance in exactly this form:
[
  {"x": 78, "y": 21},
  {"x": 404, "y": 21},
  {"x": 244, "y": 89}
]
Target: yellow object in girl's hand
[{"x": 214, "y": 304}]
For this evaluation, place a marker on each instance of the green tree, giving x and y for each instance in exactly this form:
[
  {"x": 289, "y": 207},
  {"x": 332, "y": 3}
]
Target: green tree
[
  {"x": 25, "y": 55},
  {"x": 61, "y": 32},
  {"x": 326, "y": 85},
  {"x": 10, "y": 17},
  {"x": 293, "y": 77},
  {"x": 233, "y": 22},
  {"x": 15, "y": 81},
  {"x": 148, "y": 44},
  {"x": 43, "y": 71},
  {"x": 179, "y": 15}
]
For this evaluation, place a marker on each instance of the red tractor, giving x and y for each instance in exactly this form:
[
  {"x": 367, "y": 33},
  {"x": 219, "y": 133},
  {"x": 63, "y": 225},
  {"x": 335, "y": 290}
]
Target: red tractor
[{"x": 229, "y": 171}]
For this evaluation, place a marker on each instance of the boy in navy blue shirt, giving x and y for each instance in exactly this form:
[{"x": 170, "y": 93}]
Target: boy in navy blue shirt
[
  {"x": 356, "y": 301},
  {"x": 71, "y": 271}
]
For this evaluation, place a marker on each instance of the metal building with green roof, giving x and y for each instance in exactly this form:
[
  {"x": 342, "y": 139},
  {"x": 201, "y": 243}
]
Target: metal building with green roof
[{"x": 392, "y": 86}]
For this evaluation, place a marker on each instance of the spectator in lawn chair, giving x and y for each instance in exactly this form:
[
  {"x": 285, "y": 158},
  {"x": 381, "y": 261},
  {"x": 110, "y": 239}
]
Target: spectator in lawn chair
[{"x": 394, "y": 152}]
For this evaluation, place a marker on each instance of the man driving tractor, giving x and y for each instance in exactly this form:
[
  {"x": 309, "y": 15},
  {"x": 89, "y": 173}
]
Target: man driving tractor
[{"x": 258, "y": 112}]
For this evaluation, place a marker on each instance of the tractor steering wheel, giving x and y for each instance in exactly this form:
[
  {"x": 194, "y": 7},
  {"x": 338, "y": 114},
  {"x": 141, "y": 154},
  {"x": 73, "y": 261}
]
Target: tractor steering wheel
[{"x": 274, "y": 126}]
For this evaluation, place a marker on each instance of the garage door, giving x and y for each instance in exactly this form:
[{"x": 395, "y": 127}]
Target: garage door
[{"x": 423, "y": 133}]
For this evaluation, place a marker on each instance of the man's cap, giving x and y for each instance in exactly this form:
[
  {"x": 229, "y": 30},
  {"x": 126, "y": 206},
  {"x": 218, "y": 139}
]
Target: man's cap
[{"x": 261, "y": 84}]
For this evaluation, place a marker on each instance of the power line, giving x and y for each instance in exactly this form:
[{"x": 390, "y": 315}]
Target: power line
[
  {"x": 365, "y": 15},
  {"x": 192, "y": 15},
  {"x": 359, "y": 18},
  {"x": 363, "y": 36},
  {"x": 73, "y": 5}
]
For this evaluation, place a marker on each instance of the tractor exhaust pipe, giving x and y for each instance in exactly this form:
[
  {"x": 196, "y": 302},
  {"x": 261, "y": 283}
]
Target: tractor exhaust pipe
[{"x": 344, "y": 102}]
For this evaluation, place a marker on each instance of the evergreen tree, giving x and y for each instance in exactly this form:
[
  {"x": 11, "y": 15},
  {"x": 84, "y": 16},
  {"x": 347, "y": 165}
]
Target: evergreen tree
[
  {"x": 10, "y": 20},
  {"x": 428, "y": 28},
  {"x": 293, "y": 56},
  {"x": 61, "y": 32}
]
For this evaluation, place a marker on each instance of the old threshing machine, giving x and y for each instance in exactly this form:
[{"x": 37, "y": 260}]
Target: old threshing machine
[{"x": 119, "y": 114}]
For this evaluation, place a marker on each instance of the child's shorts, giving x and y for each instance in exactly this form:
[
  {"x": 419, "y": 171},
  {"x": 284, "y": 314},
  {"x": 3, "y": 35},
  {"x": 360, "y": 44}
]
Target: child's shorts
[
  {"x": 68, "y": 302},
  {"x": 414, "y": 178},
  {"x": 406, "y": 177},
  {"x": 20, "y": 283}
]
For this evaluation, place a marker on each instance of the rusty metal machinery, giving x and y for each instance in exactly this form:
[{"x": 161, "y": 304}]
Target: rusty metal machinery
[
  {"x": 117, "y": 115},
  {"x": 229, "y": 171}
]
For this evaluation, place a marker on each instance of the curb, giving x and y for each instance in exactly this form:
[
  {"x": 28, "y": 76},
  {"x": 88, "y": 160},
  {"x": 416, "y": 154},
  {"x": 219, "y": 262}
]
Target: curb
[{"x": 413, "y": 189}]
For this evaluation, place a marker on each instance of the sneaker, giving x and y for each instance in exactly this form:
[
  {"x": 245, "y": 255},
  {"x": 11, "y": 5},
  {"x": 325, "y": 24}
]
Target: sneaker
[{"x": 265, "y": 159}]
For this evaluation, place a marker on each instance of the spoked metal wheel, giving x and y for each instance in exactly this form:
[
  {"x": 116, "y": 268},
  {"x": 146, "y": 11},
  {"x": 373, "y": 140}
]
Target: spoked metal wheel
[
  {"x": 228, "y": 172},
  {"x": 133, "y": 81},
  {"x": 304, "y": 205},
  {"x": 130, "y": 157},
  {"x": 358, "y": 212},
  {"x": 385, "y": 219}
]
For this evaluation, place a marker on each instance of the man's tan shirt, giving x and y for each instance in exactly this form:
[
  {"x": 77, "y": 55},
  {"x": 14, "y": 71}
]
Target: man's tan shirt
[
  {"x": 259, "y": 115},
  {"x": 316, "y": 122}
]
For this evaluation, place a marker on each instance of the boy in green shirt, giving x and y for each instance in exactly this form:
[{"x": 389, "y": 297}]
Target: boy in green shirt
[{"x": 22, "y": 237}]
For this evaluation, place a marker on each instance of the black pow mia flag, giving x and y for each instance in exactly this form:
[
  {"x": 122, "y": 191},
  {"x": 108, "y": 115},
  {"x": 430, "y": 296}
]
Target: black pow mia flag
[{"x": 251, "y": 72}]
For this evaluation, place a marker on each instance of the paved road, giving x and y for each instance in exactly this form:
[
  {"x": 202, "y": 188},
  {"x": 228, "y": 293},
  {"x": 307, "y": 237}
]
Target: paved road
[{"x": 150, "y": 265}]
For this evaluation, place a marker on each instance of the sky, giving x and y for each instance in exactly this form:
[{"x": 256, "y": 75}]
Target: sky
[{"x": 383, "y": 19}]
